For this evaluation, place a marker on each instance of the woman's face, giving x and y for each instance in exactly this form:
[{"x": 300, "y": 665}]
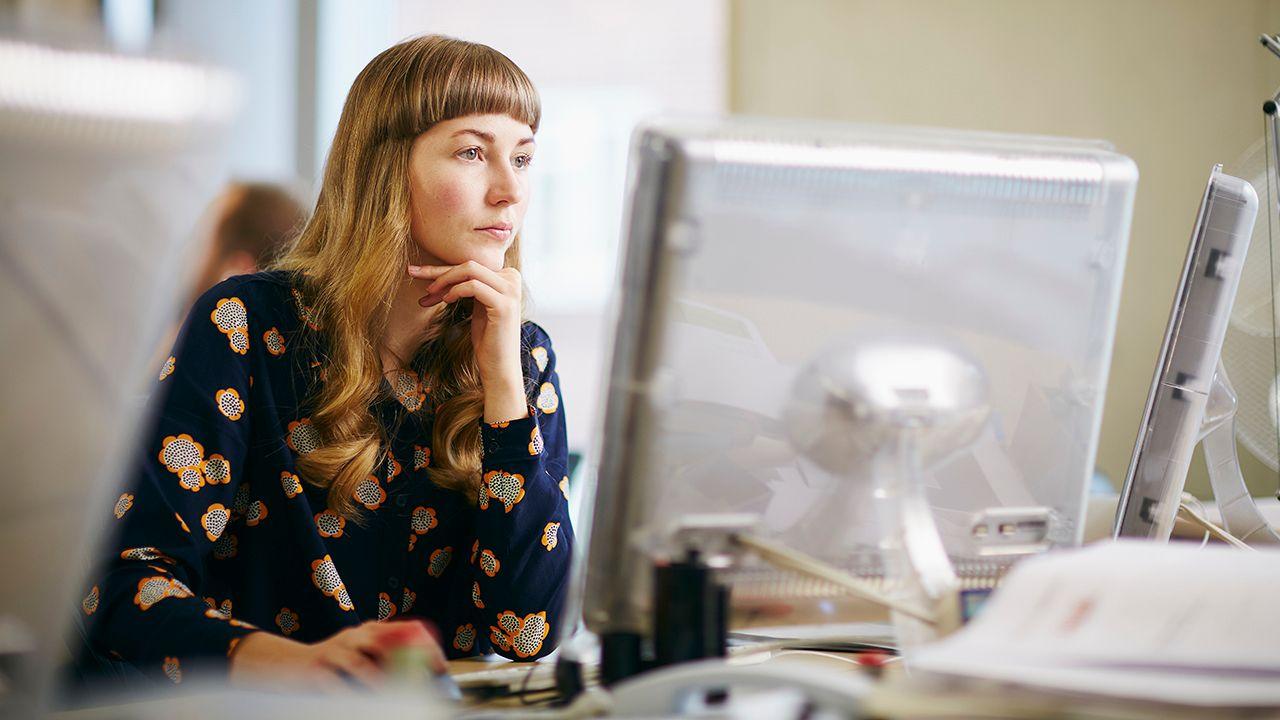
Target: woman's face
[{"x": 469, "y": 188}]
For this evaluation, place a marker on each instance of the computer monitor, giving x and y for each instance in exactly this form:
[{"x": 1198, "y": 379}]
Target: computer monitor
[
  {"x": 752, "y": 245},
  {"x": 108, "y": 162},
  {"x": 1184, "y": 375}
]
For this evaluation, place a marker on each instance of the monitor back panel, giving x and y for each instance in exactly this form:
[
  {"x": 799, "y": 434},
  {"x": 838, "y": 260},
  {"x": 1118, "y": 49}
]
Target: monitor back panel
[{"x": 753, "y": 247}]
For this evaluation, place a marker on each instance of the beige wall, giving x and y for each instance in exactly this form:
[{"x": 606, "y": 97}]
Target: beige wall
[{"x": 1175, "y": 84}]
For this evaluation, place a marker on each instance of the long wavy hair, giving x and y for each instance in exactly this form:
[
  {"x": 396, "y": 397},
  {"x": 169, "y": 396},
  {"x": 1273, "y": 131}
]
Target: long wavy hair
[{"x": 350, "y": 259}]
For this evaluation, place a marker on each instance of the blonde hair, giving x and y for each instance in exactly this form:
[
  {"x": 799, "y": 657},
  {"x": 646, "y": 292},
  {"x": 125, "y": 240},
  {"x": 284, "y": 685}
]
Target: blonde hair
[{"x": 351, "y": 257}]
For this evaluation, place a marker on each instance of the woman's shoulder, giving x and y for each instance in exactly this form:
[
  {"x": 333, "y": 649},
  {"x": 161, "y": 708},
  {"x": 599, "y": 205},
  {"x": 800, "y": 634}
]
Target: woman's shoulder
[
  {"x": 539, "y": 357},
  {"x": 266, "y": 294},
  {"x": 261, "y": 299},
  {"x": 534, "y": 335}
]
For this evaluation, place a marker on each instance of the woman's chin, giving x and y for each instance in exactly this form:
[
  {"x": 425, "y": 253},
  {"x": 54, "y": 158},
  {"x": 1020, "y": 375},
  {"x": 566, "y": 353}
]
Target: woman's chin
[
  {"x": 495, "y": 261},
  {"x": 493, "y": 257}
]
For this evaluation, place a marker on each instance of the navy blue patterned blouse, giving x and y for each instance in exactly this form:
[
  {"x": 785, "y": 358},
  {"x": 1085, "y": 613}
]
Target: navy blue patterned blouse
[{"x": 217, "y": 536}]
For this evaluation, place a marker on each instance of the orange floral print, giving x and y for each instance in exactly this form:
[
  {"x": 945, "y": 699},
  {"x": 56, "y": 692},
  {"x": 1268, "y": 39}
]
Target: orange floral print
[
  {"x": 167, "y": 369},
  {"x": 508, "y": 488},
  {"x": 489, "y": 563},
  {"x": 548, "y": 402},
  {"x": 287, "y": 621},
  {"x": 422, "y": 520},
  {"x": 439, "y": 560},
  {"x": 369, "y": 493},
  {"x": 523, "y": 635},
  {"x": 302, "y": 437},
  {"x": 551, "y": 536},
  {"x": 291, "y": 484},
  {"x": 274, "y": 342},
  {"x": 330, "y": 524},
  {"x": 421, "y": 457},
  {"x": 155, "y": 588},
  {"x": 229, "y": 403},
  {"x": 214, "y": 521},
  {"x": 216, "y": 470},
  {"x": 408, "y": 389},
  {"x": 464, "y": 638},
  {"x": 123, "y": 503},
  {"x": 326, "y": 579},
  {"x": 386, "y": 608},
  {"x": 256, "y": 513},
  {"x": 173, "y": 670},
  {"x": 232, "y": 319},
  {"x": 539, "y": 355}
]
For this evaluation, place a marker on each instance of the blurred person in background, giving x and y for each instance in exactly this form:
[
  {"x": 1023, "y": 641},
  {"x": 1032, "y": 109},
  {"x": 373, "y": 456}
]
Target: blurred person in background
[
  {"x": 367, "y": 432},
  {"x": 252, "y": 224}
]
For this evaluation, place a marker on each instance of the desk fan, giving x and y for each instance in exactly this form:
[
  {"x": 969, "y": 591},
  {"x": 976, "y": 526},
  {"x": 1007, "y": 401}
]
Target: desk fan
[{"x": 1250, "y": 352}]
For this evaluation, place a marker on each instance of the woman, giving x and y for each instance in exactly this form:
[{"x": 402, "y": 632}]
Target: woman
[{"x": 368, "y": 431}]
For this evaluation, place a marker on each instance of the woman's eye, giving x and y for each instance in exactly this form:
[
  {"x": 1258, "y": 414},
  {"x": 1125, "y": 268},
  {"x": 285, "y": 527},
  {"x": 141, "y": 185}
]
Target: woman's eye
[
  {"x": 523, "y": 161},
  {"x": 470, "y": 154}
]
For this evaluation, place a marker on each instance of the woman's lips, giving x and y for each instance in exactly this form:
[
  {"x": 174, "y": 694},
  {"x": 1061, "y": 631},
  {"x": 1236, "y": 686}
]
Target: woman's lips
[{"x": 496, "y": 233}]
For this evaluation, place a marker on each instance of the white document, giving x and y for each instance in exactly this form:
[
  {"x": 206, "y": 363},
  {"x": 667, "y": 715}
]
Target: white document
[{"x": 1168, "y": 622}]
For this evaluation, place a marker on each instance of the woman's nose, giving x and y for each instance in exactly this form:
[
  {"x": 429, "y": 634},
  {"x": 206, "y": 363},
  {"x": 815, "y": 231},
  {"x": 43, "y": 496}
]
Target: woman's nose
[{"x": 505, "y": 187}]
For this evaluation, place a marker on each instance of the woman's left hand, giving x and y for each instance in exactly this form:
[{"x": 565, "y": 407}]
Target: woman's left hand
[{"x": 495, "y": 328}]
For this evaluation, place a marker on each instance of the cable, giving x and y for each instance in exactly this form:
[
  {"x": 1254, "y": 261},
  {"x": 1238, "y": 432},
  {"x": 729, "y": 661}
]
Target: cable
[
  {"x": 787, "y": 558},
  {"x": 1190, "y": 499},
  {"x": 1186, "y": 512},
  {"x": 818, "y": 653}
]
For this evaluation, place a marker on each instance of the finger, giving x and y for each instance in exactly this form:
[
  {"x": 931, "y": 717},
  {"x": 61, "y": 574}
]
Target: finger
[
  {"x": 470, "y": 270},
  {"x": 372, "y": 640},
  {"x": 505, "y": 281},
  {"x": 428, "y": 272},
  {"x": 320, "y": 677},
  {"x": 357, "y": 665},
  {"x": 482, "y": 294},
  {"x": 397, "y": 633},
  {"x": 412, "y": 633}
]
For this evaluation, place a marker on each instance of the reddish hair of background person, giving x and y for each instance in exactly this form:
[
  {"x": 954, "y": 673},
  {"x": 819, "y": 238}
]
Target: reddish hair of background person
[{"x": 252, "y": 222}]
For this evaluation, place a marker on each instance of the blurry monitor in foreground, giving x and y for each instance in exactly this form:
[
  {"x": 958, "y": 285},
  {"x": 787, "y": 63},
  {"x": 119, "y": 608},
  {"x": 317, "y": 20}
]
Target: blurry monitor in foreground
[
  {"x": 751, "y": 247},
  {"x": 107, "y": 162}
]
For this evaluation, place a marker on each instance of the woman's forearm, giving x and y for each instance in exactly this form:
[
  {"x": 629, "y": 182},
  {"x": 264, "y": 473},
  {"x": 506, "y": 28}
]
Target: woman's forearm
[
  {"x": 262, "y": 653},
  {"x": 504, "y": 400}
]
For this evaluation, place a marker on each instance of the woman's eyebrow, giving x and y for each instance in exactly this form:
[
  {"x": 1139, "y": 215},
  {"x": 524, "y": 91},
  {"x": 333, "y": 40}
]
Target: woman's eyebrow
[{"x": 489, "y": 138}]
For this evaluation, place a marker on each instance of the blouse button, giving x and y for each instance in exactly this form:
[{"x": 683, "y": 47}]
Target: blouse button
[{"x": 393, "y": 582}]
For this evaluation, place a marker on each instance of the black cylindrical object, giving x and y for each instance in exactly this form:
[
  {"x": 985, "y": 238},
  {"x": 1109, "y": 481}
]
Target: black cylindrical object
[
  {"x": 569, "y": 682},
  {"x": 689, "y": 612},
  {"x": 620, "y": 656}
]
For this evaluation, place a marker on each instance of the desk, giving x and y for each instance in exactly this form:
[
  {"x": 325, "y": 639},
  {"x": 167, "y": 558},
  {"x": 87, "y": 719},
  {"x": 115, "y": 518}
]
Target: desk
[{"x": 897, "y": 694}]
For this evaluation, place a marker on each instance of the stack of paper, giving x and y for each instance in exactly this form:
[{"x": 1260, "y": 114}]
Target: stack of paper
[{"x": 1172, "y": 623}]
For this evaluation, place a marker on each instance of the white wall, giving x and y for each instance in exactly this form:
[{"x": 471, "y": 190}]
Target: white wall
[{"x": 258, "y": 42}]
